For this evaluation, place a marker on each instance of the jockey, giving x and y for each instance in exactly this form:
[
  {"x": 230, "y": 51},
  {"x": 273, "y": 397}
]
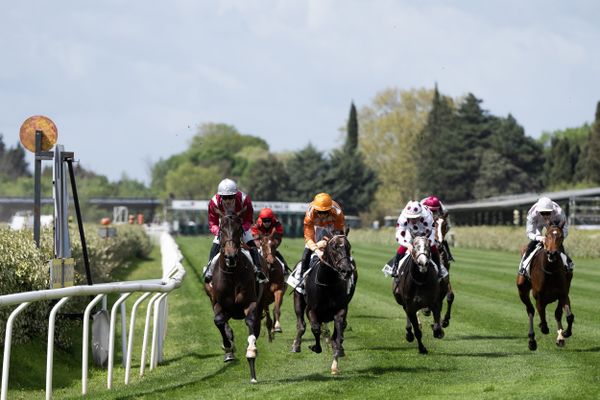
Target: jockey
[
  {"x": 540, "y": 215},
  {"x": 230, "y": 200},
  {"x": 321, "y": 212},
  {"x": 268, "y": 224},
  {"x": 415, "y": 220},
  {"x": 439, "y": 211}
]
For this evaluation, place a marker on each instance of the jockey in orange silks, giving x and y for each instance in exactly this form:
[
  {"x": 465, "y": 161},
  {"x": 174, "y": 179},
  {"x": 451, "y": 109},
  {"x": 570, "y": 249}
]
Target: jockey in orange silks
[{"x": 229, "y": 200}]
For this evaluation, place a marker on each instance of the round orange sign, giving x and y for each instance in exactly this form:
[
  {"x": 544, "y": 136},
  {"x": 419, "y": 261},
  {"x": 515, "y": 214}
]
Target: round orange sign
[{"x": 38, "y": 123}]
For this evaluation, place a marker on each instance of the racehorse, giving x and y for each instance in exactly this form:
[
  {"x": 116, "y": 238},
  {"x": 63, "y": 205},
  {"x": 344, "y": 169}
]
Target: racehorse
[
  {"x": 548, "y": 282},
  {"x": 417, "y": 287},
  {"x": 275, "y": 288},
  {"x": 234, "y": 292},
  {"x": 441, "y": 229},
  {"x": 329, "y": 287}
]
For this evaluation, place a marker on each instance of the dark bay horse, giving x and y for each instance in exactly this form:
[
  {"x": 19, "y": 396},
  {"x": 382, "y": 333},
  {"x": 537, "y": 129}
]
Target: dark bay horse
[
  {"x": 441, "y": 229},
  {"x": 275, "y": 287},
  {"x": 234, "y": 292},
  {"x": 417, "y": 287},
  {"x": 329, "y": 287},
  {"x": 548, "y": 282}
]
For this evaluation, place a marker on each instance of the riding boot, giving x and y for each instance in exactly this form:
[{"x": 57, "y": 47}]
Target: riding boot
[
  {"x": 395, "y": 264},
  {"x": 442, "y": 271},
  {"x": 208, "y": 270},
  {"x": 530, "y": 247},
  {"x": 286, "y": 269},
  {"x": 447, "y": 248},
  {"x": 305, "y": 261},
  {"x": 260, "y": 275}
]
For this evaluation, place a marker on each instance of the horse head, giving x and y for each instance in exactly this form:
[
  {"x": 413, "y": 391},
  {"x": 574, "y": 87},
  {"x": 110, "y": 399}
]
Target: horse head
[
  {"x": 230, "y": 238},
  {"x": 553, "y": 241},
  {"x": 421, "y": 253},
  {"x": 266, "y": 245},
  {"x": 337, "y": 254}
]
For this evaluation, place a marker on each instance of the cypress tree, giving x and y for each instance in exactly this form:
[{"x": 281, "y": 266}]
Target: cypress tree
[{"x": 352, "y": 137}]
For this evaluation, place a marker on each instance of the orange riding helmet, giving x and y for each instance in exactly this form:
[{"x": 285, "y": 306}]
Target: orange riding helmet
[{"x": 322, "y": 202}]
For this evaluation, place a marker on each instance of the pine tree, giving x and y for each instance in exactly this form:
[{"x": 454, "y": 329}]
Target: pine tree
[
  {"x": 307, "y": 169},
  {"x": 592, "y": 165}
]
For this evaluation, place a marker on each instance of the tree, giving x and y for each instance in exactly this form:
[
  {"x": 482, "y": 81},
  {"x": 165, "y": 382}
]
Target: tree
[
  {"x": 497, "y": 176},
  {"x": 593, "y": 150},
  {"x": 306, "y": 169},
  {"x": 390, "y": 126},
  {"x": 12, "y": 161},
  {"x": 190, "y": 181},
  {"x": 267, "y": 180},
  {"x": 352, "y": 129}
]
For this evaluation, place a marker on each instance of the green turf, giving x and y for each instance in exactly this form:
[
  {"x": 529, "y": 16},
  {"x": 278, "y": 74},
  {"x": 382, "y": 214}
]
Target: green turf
[{"x": 483, "y": 355}]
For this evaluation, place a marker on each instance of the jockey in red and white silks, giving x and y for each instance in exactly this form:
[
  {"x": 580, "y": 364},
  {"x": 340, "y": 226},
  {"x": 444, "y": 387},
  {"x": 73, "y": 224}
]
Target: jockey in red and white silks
[
  {"x": 229, "y": 200},
  {"x": 415, "y": 220},
  {"x": 540, "y": 215}
]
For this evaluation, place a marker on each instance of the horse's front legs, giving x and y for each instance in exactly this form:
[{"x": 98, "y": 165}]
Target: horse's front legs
[
  {"x": 253, "y": 323},
  {"x": 412, "y": 317},
  {"x": 299, "y": 308},
  {"x": 541, "y": 307},
  {"x": 563, "y": 304},
  {"x": 449, "y": 301},
  {"x": 226, "y": 333},
  {"x": 337, "y": 339},
  {"x": 524, "y": 287},
  {"x": 438, "y": 332},
  {"x": 277, "y": 310},
  {"x": 315, "y": 327}
]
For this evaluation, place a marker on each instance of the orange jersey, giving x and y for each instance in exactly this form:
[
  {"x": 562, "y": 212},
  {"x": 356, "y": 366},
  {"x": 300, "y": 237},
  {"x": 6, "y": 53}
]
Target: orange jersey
[{"x": 334, "y": 219}]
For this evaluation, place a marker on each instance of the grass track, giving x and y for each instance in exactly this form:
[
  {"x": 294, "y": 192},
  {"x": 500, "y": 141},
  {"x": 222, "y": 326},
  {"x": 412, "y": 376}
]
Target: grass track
[{"x": 483, "y": 356}]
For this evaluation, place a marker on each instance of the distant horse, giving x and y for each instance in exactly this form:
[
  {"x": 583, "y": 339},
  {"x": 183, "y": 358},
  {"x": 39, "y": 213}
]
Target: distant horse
[
  {"x": 329, "y": 287},
  {"x": 548, "y": 282},
  {"x": 275, "y": 287},
  {"x": 417, "y": 287},
  {"x": 234, "y": 292},
  {"x": 441, "y": 229}
]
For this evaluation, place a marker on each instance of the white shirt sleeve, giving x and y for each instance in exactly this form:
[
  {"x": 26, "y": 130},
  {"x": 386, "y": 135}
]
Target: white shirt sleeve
[
  {"x": 403, "y": 236},
  {"x": 533, "y": 230}
]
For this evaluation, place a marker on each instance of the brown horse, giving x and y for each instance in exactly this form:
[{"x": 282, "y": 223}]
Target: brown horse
[
  {"x": 275, "y": 287},
  {"x": 234, "y": 292},
  {"x": 329, "y": 287},
  {"x": 441, "y": 229},
  {"x": 417, "y": 287},
  {"x": 548, "y": 282}
]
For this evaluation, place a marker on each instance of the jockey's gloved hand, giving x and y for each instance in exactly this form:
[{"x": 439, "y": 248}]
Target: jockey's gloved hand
[{"x": 319, "y": 253}]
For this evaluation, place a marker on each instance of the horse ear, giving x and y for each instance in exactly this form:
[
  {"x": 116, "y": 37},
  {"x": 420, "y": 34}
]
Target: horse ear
[
  {"x": 562, "y": 224},
  {"x": 347, "y": 230}
]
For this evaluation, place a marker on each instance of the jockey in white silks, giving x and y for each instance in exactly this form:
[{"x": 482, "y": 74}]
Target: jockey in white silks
[
  {"x": 540, "y": 215},
  {"x": 414, "y": 220}
]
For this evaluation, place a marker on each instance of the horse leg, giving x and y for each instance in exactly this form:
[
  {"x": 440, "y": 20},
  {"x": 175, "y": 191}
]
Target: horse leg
[
  {"x": 337, "y": 340},
  {"x": 449, "y": 300},
  {"x": 570, "y": 317},
  {"x": 418, "y": 334},
  {"x": 253, "y": 323},
  {"x": 269, "y": 323},
  {"x": 560, "y": 339},
  {"x": 524, "y": 287},
  {"x": 299, "y": 307},
  {"x": 277, "y": 310},
  {"x": 541, "y": 307},
  {"x": 438, "y": 332},
  {"x": 226, "y": 333},
  {"x": 315, "y": 327},
  {"x": 409, "y": 333}
]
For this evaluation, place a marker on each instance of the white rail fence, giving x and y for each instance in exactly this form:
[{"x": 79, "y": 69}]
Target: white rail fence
[{"x": 156, "y": 289}]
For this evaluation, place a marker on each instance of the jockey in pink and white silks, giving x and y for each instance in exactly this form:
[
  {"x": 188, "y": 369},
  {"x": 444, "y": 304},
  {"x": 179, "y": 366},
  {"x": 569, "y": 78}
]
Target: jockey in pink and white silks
[
  {"x": 540, "y": 215},
  {"x": 439, "y": 211},
  {"x": 415, "y": 220},
  {"x": 229, "y": 200}
]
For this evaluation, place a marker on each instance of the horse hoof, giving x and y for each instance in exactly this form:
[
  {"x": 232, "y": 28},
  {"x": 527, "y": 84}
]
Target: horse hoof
[
  {"x": 335, "y": 371},
  {"x": 426, "y": 312},
  {"x": 445, "y": 323},
  {"x": 544, "y": 329},
  {"x": 560, "y": 343},
  {"x": 438, "y": 334},
  {"x": 339, "y": 353},
  {"x": 423, "y": 350},
  {"x": 229, "y": 357},
  {"x": 295, "y": 349},
  {"x": 532, "y": 345},
  {"x": 567, "y": 333},
  {"x": 410, "y": 336},
  {"x": 277, "y": 330},
  {"x": 253, "y": 381},
  {"x": 316, "y": 349}
]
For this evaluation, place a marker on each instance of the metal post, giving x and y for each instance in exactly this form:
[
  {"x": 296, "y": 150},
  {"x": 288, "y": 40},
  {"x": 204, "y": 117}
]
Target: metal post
[
  {"x": 111, "y": 338},
  {"x": 86, "y": 342},
  {"x": 86, "y": 259},
  {"x": 131, "y": 329},
  {"x": 50, "y": 355},
  {"x": 7, "y": 346},
  {"x": 37, "y": 187},
  {"x": 146, "y": 332}
]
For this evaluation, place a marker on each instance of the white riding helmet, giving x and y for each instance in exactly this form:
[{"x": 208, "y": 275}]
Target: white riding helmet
[
  {"x": 227, "y": 187},
  {"x": 544, "y": 204},
  {"x": 413, "y": 209}
]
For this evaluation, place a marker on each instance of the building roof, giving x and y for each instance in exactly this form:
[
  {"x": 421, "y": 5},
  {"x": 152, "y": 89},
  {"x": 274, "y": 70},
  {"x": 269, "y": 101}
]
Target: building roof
[{"x": 522, "y": 199}]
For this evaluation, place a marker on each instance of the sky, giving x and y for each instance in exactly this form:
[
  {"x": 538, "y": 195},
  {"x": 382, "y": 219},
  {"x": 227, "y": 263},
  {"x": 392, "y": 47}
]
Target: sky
[{"x": 128, "y": 82}]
